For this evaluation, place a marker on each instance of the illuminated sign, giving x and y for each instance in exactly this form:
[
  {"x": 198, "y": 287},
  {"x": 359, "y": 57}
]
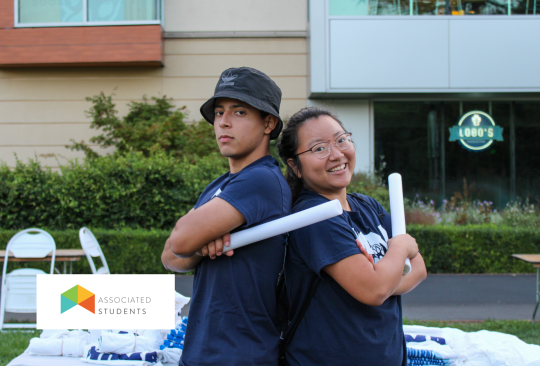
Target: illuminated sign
[{"x": 476, "y": 131}]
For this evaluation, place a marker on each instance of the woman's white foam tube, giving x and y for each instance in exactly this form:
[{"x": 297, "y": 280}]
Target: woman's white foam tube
[
  {"x": 397, "y": 210},
  {"x": 285, "y": 224}
]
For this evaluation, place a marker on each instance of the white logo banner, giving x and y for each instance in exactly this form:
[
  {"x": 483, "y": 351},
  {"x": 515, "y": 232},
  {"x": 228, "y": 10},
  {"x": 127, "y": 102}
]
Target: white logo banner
[{"x": 105, "y": 301}]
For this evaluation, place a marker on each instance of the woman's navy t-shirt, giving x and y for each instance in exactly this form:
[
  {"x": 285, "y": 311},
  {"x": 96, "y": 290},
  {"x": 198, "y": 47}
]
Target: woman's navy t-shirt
[
  {"x": 232, "y": 315},
  {"x": 337, "y": 329}
]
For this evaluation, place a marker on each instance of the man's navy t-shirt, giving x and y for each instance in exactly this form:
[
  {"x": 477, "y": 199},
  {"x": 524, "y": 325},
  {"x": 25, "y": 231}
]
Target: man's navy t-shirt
[
  {"x": 232, "y": 318},
  {"x": 337, "y": 329}
]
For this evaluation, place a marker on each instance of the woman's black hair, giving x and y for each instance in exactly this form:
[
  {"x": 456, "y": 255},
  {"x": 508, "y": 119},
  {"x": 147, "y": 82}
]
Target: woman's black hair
[{"x": 288, "y": 144}]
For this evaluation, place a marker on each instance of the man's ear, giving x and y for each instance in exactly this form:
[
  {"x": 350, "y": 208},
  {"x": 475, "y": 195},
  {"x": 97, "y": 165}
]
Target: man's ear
[
  {"x": 294, "y": 168},
  {"x": 270, "y": 122}
]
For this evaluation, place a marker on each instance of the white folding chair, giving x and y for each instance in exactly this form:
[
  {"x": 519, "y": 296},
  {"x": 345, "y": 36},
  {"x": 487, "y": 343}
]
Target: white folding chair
[
  {"x": 19, "y": 286},
  {"x": 92, "y": 249}
]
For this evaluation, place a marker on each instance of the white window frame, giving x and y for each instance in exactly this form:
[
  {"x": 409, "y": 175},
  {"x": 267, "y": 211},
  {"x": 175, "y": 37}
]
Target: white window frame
[{"x": 85, "y": 22}]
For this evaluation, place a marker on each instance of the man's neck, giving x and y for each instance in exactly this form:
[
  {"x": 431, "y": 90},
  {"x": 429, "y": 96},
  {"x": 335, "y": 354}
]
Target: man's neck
[{"x": 237, "y": 164}]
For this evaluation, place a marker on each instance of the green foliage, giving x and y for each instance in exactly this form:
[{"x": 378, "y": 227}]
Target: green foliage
[
  {"x": 13, "y": 344},
  {"x": 109, "y": 192},
  {"x": 148, "y": 128},
  {"x": 458, "y": 249},
  {"x": 371, "y": 185},
  {"x": 127, "y": 251},
  {"x": 475, "y": 248}
]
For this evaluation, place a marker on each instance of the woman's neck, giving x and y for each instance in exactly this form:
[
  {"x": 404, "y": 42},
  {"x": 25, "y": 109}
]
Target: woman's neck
[{"x": 341, "y": 196}]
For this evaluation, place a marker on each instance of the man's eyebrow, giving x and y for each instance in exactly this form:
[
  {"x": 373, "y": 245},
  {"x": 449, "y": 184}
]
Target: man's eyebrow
[
  {"x": 315, "y": 140},
  {"x": 232, "y": 106}
]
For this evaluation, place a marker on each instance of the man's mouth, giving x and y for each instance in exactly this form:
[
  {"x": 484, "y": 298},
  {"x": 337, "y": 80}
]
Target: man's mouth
[
  {"x": 337, "y": 168},
  {"x": 225, "y": 138}
]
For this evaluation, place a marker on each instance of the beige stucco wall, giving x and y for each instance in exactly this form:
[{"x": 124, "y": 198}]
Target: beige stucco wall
[
  {"x": 235, "y": 15},
  {"x": 42, "y": 109}
]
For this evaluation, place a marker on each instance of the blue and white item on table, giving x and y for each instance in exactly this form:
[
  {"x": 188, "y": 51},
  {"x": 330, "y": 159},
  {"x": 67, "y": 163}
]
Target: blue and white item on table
[
  {"x": 175, "y": 338},
  {"x": 94, "y": 355}
]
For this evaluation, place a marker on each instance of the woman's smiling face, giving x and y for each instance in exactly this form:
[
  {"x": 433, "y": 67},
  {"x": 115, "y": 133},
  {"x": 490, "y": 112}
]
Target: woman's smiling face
[{"x": 332, "y": 174}]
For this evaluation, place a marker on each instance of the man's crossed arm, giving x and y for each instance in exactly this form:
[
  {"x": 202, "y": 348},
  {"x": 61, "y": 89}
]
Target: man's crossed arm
[{"x": 201, "y": 231}]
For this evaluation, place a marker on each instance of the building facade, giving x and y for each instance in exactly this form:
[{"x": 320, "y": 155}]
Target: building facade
[
  {"x": 442, "y": 91},
  {"x": 55, "y": 53}
]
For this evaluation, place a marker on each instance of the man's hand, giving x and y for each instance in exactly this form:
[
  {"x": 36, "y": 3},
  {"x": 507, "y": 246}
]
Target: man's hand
[{"x": 215, "y": 248}]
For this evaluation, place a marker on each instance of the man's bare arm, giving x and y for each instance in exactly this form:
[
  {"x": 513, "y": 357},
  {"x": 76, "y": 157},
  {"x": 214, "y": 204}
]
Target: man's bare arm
[
  {"x": 202, "y": 226},
  {"x": 173, "y": 263}
]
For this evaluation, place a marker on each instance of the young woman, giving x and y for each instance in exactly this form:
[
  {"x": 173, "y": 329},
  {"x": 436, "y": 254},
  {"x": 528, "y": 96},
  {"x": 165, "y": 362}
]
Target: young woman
[{"x": 355, "y": 315}]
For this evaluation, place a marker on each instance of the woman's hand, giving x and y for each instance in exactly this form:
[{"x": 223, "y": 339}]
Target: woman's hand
[
  {"x": 215, "y": 248},
  {"x": 407, "y": 242},
  {"x": 364, "y": 252}
]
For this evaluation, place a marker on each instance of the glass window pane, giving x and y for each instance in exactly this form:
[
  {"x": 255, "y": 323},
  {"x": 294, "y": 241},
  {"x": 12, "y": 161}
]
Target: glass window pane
[
  {"x": 460, "y": 7},
  {"x": 529, "y": 7},
  {"x": 50, "y": 11},
  {"x": 368, "y": 7},
  {"x": 121, "y": 10}
]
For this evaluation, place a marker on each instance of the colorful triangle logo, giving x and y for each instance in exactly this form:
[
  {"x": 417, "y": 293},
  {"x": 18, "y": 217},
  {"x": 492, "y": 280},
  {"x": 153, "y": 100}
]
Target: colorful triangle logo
[{"x": 77, "y": 295}]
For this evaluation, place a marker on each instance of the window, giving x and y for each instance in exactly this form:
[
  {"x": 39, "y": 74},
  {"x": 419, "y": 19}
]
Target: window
[
  {"x": 86, "y": 12},
  {"x": 433, "y": 7}
]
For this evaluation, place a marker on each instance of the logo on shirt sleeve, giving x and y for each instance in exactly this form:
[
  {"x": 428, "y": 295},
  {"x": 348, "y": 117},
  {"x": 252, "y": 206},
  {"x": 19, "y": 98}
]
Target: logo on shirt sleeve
[{"x": 216, "y": 193}]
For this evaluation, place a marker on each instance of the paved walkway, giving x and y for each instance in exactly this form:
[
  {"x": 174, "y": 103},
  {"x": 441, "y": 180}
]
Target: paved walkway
[{"x": 443, "y": 297}]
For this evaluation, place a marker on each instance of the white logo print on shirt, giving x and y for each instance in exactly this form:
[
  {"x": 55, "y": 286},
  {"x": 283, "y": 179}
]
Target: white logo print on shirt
[
  {"x": 217, "y": 193},
  {"x": 228, "y": 79},
  {"x": 373, "y": 243}
]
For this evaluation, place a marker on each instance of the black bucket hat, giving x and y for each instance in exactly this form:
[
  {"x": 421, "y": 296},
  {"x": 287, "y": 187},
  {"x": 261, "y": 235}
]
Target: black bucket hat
[{"x": 250, "y": 86}]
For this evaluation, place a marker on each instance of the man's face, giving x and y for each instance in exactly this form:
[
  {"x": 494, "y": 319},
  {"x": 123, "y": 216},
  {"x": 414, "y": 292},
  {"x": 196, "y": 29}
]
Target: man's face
[{"x": 238, "y": 126}]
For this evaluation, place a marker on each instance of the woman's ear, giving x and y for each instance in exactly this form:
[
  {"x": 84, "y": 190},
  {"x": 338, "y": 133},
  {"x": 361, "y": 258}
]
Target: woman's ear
[
  {"x": 270, "y": 123},
  {"x": 294, "y": 168}
]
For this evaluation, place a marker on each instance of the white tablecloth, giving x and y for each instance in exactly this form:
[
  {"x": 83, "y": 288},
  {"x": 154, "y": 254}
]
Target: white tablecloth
[{"x": 28, "y": 360}]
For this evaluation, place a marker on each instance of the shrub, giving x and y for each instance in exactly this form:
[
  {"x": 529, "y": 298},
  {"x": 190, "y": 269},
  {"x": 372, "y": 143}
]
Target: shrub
[
  {"x": 127, "y": 251},
  {"x": 457, "y": 249},
  {"x": 371, "y": 185},
  {"x": 475, "y": 248},
  {"x": 147, "y": 128},
  {"x": 109, "y": 192}
]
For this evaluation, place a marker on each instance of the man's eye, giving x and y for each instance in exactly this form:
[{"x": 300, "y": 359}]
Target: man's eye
[
  {"x": 241, "y": 113},
  {"x": 219, "y": 113}
]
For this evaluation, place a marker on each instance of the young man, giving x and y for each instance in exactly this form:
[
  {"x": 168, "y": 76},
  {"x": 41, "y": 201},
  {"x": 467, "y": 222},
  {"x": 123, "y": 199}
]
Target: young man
[{"x": 233, "y": 310}]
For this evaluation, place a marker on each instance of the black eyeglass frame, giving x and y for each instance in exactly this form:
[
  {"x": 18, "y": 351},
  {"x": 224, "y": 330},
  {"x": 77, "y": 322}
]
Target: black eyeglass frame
[{"x": 349, "y": 134}]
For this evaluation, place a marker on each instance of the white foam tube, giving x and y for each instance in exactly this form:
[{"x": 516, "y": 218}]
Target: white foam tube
[
  {"x": 285, "y": 224},
  {"x": 397, "y": 210}
]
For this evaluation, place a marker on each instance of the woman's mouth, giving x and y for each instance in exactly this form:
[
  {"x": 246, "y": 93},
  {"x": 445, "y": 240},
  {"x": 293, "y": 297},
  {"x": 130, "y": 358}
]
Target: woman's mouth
[{"x": 337, "y": 168}]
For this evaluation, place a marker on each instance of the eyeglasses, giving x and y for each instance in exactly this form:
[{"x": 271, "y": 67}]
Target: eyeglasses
[{"x": 322, "y": 149}]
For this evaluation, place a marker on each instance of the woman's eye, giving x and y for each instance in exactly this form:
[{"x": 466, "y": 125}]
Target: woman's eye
[
  {"x": 341, "y": 140},
  {"x": 318, "y": 148}
]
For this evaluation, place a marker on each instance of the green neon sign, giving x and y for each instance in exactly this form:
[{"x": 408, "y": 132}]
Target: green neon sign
[{"x": 476, "y": 131}]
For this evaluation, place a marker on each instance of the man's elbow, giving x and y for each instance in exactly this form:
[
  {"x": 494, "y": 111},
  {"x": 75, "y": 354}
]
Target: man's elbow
[{"x": 181, "y": 247}]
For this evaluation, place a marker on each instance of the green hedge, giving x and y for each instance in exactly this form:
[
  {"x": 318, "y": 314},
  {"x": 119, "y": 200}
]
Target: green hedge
[
  {"x": 126, "y": 251},
  {"x": 475, "y": 248},
  {"x": 464, "y": 249},
  {"x": 110, "y": 192}
]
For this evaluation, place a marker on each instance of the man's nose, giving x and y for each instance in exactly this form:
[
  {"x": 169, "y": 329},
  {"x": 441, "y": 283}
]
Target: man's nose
[{"x": 225, "y": 120}]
